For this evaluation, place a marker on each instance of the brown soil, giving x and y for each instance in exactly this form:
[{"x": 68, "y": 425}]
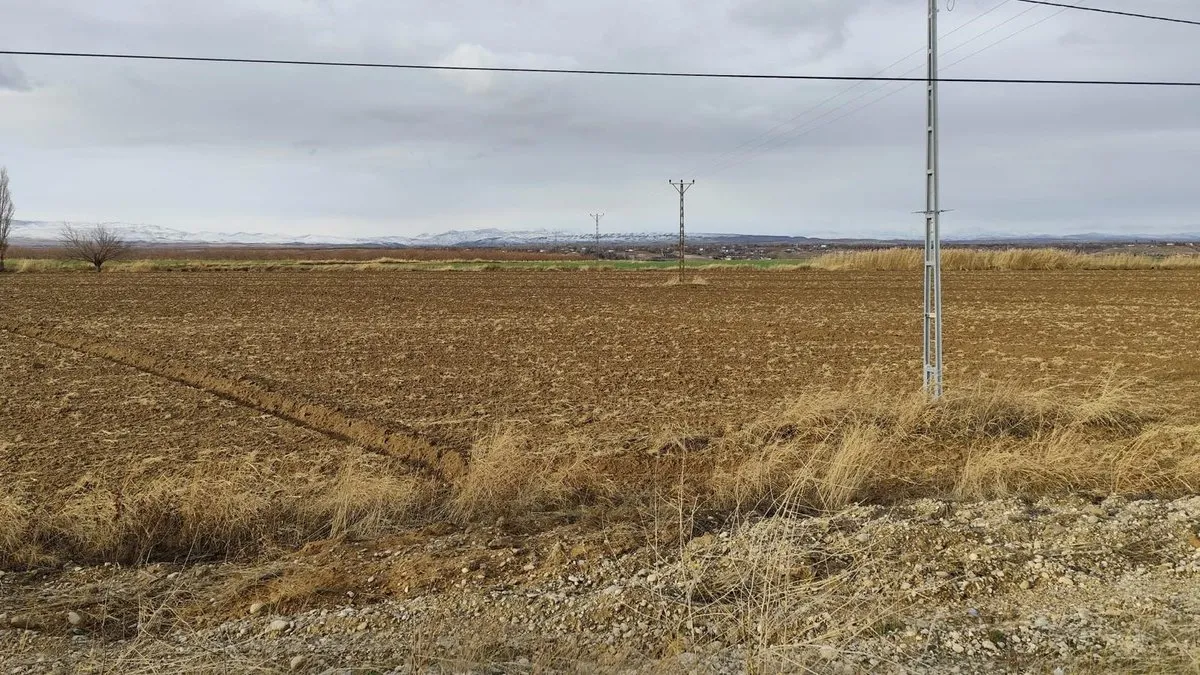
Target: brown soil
[
  {"x": 282, "y": 387},
  {"x": 430, "y": 349}
]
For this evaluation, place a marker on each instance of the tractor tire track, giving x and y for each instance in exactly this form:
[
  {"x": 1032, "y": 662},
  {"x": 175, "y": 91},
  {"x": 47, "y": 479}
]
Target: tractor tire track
[{"x": 404, "y": 444}]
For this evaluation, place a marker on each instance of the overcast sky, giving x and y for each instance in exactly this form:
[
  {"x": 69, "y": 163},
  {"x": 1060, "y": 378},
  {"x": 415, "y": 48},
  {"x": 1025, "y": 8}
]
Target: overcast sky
[{"x": 286, "y": 149}]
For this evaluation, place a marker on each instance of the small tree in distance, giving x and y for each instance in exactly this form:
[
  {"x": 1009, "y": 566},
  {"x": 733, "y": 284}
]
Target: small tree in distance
[
  {"x": 6, "y": 214},
  {"x": 94, "y": 245}
]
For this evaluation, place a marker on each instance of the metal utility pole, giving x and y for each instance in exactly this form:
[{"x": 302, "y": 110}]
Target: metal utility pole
[
  {"x": 933, "y": 212},
  {"x": 682, "y": 187},
  {"x": 597, "y": 217}
]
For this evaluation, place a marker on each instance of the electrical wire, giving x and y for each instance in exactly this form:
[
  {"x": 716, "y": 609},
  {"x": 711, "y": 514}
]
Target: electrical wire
[
  {"x": 626, "y": 73},
  {"x": 1112, "y": 11},
  {"x": 806, "y": 129},
  {"x": 1005, "y": 38},
  {"x": 773, "y": 131}
]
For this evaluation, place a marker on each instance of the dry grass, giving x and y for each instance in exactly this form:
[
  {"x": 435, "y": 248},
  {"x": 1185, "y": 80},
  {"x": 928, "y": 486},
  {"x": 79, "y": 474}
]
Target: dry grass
[
  {"x": 815, "y": 453},
  {"x": 35, "y": 265},
  {"x": 212, "y": 510},
  {"x": 793, "y": 598},
  {"x": 512, "y": 473},
  {"x": 827, "y": 449},
  {"x": 690, "y": 280},
  {"x": 909, "y": 259},
  {"x": 362, "y": 505},
  {"x": 783, "y": 594}
]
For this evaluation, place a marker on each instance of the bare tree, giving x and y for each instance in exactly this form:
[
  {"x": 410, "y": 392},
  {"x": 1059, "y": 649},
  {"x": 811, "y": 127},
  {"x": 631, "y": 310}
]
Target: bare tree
[
  {"x": 6, "y": 214},
  {"x": 94, "y": 245}
]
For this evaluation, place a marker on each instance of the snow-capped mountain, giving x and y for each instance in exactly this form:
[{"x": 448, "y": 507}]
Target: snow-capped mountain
[
  {"x": 41, "y": 233},
  {"x": 38, "y": 232}
]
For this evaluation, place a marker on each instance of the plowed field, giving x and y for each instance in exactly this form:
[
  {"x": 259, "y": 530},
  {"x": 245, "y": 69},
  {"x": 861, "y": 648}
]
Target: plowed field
[
  {"x": 444, "y": 350},
  {"x": 297, "y": 471}
]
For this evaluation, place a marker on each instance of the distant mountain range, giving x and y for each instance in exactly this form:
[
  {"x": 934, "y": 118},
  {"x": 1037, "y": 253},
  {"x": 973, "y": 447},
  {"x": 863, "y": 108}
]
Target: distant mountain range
[{"x": 41, "y": 233}]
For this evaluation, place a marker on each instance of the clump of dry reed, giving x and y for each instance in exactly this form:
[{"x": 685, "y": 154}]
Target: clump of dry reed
[{"x": 909, "y": 259}]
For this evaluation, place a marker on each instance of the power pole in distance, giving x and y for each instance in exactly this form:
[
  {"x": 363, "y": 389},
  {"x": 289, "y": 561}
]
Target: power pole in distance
[
  {"x": 682, "y": 187},
  {"x": 933, "y": 236},
  {"x": 597, "y": 217}
]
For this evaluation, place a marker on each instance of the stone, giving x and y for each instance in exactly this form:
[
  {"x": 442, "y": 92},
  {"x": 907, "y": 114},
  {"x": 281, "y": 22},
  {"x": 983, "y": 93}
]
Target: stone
[
  {"x": 298, "y": 662},
  {"x": 23, "y": 622},
  {"x": 257, "y": 607},
  {"x": 74, "y": 619},
  {"x": 277, "y": 625}
]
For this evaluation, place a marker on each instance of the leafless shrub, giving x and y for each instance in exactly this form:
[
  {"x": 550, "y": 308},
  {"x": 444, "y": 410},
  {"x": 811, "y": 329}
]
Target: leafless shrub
[{"x": 94, "y": 245}]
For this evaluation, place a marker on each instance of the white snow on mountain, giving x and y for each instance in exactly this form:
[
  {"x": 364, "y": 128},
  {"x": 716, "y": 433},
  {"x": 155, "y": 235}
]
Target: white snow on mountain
[{"x": 38, "y": 232}]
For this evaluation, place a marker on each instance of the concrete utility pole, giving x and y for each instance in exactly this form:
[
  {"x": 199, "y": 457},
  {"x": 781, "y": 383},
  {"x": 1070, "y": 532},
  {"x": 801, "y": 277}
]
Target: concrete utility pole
[
  {"x": 682, "y": 187},
  {"x": 933, "y": 236},
  {"x": 597, "y": 217}
]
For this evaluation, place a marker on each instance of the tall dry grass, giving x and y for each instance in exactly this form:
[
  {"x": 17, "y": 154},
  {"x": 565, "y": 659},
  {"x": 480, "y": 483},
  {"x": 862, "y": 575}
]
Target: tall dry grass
[
  {"x": 820, "y": 451},
  {"x": 910, "y": 259},
  {"x": 826, "y": 449},
  {"x": 219, "y": 510},
  {"x": 870, "y": 442},
  {"x": 513, "y": 471}
]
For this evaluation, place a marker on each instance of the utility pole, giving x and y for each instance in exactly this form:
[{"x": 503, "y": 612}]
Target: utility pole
[
  {"x": 933, "y": 236},
  {"x": 597, "y": 217},
  {"x": 682, "y": 187}
]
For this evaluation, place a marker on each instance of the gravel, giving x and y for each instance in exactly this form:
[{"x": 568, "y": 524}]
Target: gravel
[{"x": 923, "y": 586}]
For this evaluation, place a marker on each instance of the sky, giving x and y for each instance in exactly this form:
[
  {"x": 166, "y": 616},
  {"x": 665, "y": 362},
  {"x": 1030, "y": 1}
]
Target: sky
[{"x": 362, "y": 153}]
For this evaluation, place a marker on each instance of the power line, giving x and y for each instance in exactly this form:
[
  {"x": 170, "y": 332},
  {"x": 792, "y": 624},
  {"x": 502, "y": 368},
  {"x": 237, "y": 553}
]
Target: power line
[
  {"x": 627, "y": 73},
  {"x": 812, "y": 124},
  {"x": 1112, "y": 11},
  {"x": 1007, "y": 37},
  {"x": 722, "y": 158}
]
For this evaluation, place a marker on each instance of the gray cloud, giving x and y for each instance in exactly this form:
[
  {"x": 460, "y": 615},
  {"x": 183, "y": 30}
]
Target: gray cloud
[
  {"x": 822, "y": 22},
  {"x": 295, "y": 149},
  {"x": 12, "y": 78}
]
